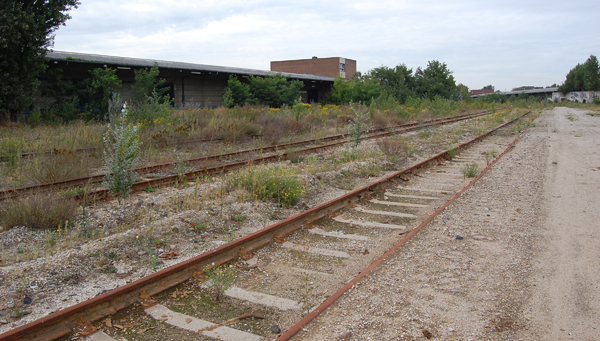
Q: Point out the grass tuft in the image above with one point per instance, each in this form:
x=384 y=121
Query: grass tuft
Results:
x=273 y=183
x=470 y=170
x=46 y=211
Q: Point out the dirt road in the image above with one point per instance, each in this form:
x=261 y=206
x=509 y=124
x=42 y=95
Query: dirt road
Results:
x=565 y=302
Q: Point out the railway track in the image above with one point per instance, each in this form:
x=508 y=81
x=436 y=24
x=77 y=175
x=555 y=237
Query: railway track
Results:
x=287 y=273
x=94 y=150
x=214 y=164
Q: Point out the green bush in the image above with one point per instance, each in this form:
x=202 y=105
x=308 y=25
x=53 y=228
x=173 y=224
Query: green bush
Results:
x=273 y=183
x=359 y=89
x=99 y=90
x=146 y=85
x=273 y=91
x=149 y=112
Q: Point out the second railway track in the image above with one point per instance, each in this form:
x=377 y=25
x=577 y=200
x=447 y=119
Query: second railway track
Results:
x=214 y=164
x=284 y=271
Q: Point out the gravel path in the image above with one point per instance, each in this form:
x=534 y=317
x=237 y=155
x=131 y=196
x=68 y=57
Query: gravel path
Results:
x=526 y=268
x=565 y=302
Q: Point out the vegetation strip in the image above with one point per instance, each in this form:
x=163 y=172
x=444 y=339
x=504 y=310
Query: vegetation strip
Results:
x=60 y=323
x=329 y=301
x=86 y=181
x=139 y=186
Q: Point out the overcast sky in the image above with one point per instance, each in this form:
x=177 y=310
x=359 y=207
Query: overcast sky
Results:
x=503 y=43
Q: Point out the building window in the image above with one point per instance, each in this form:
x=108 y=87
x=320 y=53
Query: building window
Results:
x=342 y=67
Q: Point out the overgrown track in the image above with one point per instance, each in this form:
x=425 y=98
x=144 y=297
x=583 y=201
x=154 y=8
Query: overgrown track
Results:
x=223 y=167
x=92 y=150
x=365 y=202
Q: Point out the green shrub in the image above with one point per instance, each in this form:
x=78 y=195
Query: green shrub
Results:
x=152 y=110
x=221 y=278
x=452 y=153
x=146 y=85
x=47 y=211
x=358 y=124
x=273 y=183
x=470 y=170
x=11 y=150
x=121 y=153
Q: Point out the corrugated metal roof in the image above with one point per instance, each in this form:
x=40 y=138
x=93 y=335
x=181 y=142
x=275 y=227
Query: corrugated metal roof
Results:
x=518 y=92
x=137 y=62
x=530 y=91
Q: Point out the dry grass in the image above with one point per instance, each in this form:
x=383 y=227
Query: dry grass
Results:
x=56 y=168
x=45 y=211
x=396 y=148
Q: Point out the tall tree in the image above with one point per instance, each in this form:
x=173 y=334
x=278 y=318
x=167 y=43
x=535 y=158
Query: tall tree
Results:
x=591 y=76
x=435 y=80
x=26 y=32
x=583 y=77
x=488 y=87
x=462 y=92
x=398 y=82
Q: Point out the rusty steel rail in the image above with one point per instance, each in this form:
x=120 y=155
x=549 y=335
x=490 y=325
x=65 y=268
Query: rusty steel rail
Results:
x=61 y=322
x=295 y=329
x=84 y=182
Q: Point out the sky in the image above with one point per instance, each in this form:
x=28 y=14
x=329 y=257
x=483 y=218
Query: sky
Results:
x=501 y=43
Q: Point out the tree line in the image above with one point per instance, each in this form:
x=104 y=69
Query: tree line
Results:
x=583 y=77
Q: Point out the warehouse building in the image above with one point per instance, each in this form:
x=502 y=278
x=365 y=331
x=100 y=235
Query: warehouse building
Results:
x=190 y=84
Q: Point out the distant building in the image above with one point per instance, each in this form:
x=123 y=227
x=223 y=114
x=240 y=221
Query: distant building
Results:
x=481 y=92
x=189 y=84
x=328 y=67
x=576 y=96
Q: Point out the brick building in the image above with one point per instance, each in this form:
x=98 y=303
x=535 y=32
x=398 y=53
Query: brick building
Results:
x=481 y=92
x=328 y=67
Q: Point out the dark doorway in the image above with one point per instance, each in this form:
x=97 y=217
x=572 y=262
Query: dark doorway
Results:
x=312 y=95
x=171 y=92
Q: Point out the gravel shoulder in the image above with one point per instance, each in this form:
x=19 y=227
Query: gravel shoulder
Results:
x=526 y=268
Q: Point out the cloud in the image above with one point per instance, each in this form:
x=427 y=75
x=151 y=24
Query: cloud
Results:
x=507 y=44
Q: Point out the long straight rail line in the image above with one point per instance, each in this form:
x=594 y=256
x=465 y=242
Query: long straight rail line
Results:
x=61 y=322
x=84 y=182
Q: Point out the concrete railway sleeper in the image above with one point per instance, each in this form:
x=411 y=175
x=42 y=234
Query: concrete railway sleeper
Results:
x=203 y=167
x=287 y=273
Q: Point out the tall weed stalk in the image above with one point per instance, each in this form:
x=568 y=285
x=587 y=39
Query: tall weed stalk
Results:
x=121 y=152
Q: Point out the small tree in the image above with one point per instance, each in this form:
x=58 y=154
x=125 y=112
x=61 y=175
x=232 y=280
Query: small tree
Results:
x=98 y=90
x=358 y=124
x=121 y=151
x=146 y=85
